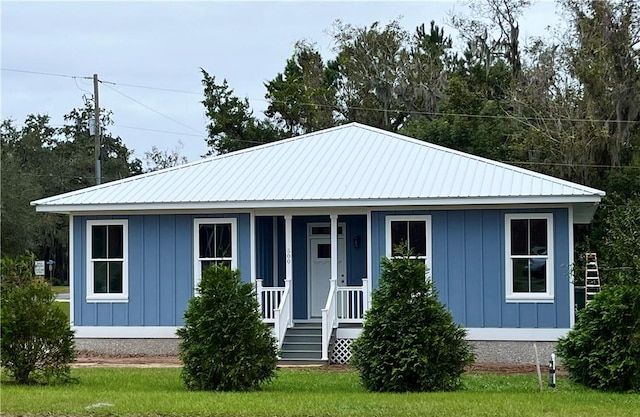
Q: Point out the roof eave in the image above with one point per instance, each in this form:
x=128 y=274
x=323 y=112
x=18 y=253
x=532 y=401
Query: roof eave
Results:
x=245 y=205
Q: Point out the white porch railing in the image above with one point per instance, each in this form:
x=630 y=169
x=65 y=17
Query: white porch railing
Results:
x=352 y=303
x=344 y=305
x=282 y=314
x=269 y=299
x=329 y=319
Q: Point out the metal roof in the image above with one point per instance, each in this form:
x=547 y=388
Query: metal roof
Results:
x=349 y=165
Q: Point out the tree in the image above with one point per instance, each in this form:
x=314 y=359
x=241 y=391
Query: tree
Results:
x=302 y=99
x=372 y=63
x=493 y=32
x=605 y=58
x=225 y=345
x=21 y=183
x=157 y=159
x=232 y=126
x=409 y=341
x=37 y=344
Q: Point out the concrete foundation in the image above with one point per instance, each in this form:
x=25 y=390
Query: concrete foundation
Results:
x=486 y=351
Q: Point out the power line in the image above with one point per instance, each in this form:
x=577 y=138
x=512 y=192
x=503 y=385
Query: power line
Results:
x=154 y=110
x=170 y=90
x=44 y=73
x=158 y=130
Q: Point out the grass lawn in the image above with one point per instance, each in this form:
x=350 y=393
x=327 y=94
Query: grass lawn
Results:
x=60 y=289
x=64 y=306
x=298 y=392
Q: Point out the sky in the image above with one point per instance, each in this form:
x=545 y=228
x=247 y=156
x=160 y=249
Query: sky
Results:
x=163 y=45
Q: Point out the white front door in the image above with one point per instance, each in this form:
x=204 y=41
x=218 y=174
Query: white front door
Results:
x=320 y=271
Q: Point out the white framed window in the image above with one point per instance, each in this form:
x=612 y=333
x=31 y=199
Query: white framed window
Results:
x=529 y=257
x=414 y=231
x=107 y=261
x=214 y=242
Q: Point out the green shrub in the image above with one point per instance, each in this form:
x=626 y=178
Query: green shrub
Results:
x=37 y=344
x=603 y=349
x=409 y=341
x=225 y=344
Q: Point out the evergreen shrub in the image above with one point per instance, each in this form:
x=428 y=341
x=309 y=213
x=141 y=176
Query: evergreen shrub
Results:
x=409 y=341
x=225 y=345
x=603 y=349
x=37 y=345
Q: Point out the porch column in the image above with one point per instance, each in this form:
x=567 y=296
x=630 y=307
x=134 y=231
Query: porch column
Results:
x=334 y=247
x=288 y=245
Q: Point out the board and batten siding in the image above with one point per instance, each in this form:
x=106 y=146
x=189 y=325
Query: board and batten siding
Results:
x=468 y=267
x=161 y=257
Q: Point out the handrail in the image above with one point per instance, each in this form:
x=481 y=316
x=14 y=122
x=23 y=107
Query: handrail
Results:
x=282 y=314
x=329 y=320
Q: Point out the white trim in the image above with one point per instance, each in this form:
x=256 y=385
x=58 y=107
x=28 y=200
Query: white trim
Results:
x=293 y=204
x=512 y=335
x=197 y=267
x=125 y=332
x=252 y=240
x=348 y=332
x=71 y=273
x=274 y=254
x=369 y=259
x=572 y=295
x=309 y=254
x=487 y=334
x=548 y=296
x=92 y=297
x=412 y=217
x=288 y=247
x=169 y=332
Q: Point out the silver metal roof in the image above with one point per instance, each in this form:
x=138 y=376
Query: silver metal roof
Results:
x=349 y=165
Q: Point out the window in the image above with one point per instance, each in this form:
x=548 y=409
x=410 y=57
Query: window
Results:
x=107 y=265
x=414 y=231
x=214 y=243
x=529 y=257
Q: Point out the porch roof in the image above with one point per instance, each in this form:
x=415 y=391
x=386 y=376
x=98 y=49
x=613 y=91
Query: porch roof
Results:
x=349 y=165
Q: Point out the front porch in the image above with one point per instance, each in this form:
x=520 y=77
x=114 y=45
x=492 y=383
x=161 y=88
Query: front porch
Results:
x=311 y=279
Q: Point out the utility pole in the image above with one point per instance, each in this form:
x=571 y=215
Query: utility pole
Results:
x=96 y=130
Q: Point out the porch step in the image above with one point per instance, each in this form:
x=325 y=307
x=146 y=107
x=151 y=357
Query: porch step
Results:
x=302 y=343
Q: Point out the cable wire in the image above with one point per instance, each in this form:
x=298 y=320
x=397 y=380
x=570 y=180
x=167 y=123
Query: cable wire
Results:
x=154 y=110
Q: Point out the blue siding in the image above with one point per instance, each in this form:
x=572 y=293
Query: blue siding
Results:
x=160 y=270
x=492 y=250
x=468 y=267
x=356 y=257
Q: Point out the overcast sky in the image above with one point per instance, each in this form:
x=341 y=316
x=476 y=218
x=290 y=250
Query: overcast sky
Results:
x=163 y=45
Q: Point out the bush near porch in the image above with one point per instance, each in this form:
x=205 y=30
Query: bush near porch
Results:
x=225 y=345
x=409 y=341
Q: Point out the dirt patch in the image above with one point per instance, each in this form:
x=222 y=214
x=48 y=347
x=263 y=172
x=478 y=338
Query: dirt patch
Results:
x=88 y=359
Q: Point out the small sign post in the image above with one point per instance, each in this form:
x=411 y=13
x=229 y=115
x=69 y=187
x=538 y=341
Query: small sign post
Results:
x=38 y=269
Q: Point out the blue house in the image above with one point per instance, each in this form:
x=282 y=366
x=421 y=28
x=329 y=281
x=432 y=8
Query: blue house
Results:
x=307 y=220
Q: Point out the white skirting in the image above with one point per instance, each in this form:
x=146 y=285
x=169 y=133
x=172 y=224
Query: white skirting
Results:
x=125 y=332
x=169 y=332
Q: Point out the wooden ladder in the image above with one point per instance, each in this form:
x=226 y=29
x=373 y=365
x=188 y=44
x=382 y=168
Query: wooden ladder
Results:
x=591 y=278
